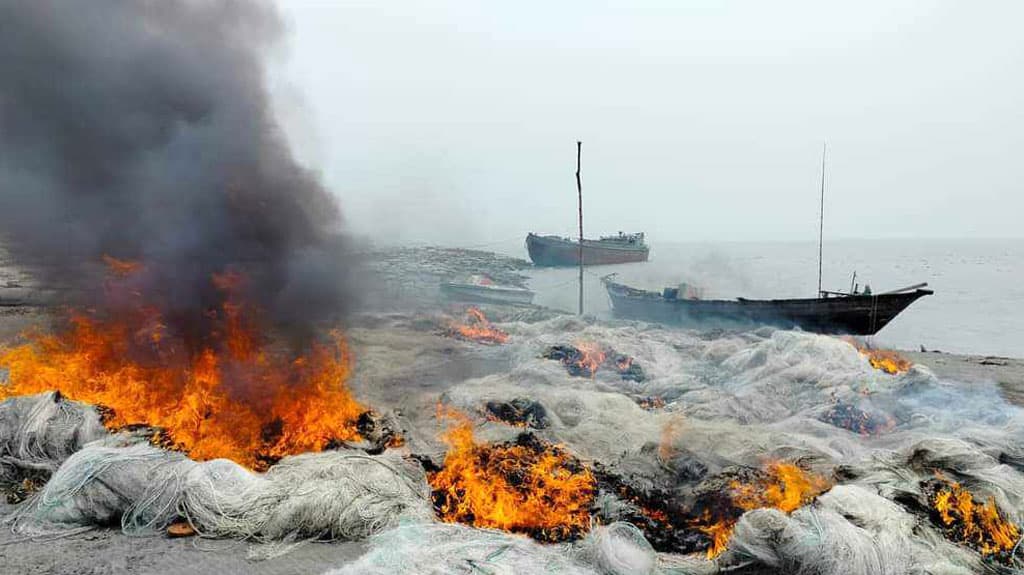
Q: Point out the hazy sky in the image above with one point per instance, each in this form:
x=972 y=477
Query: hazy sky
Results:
x=704 y=120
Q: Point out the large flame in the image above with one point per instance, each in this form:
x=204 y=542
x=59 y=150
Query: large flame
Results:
x=784 y=486
x=526 y=487
x=478 y=328
x=980 y=525
x=225 y=393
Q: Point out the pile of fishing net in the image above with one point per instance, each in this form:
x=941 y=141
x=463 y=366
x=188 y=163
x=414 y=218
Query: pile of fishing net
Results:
x=122 y=479
x=38 y=432
x=445 y=549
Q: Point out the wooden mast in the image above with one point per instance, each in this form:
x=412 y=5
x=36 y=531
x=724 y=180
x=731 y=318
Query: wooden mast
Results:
x=579 y=192
x=821 y=214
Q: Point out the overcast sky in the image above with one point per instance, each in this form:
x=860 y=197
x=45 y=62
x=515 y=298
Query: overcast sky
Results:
x=456 y=122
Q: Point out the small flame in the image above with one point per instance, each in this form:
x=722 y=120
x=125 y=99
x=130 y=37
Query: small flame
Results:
x=670 y=433
x=882 y=359
x=651 y=402
x=591 y=356
x=524 y=487
x=478 y=328
x=785 y=487
x=980 y=525
x=121 y=268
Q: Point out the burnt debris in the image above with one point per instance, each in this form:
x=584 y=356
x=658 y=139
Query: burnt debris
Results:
x=520 y=412
x=583 y=362
x=853 y=418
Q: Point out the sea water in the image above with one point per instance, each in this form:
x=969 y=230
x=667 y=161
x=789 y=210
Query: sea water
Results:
x=977 y=308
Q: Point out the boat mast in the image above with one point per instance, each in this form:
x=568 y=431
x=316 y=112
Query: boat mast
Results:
x=579 y=192
x=821 y=214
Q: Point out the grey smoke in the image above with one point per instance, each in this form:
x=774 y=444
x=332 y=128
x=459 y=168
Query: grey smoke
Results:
x=144 y=130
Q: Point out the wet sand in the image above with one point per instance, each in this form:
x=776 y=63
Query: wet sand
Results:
x=107 y=551
x=1007 y=372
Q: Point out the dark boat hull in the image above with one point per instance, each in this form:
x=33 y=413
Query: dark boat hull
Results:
x=554 y=251
x=856 y=315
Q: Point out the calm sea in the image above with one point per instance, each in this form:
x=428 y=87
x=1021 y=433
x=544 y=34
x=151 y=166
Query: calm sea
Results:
x=978 y=306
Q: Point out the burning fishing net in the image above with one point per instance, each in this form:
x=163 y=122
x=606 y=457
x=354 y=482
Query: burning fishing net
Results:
x=585 y=358
x=519 y=412
x=848 y=530
x=476 y=327
x=978 y=524
x=782 y=486
x=885 y=360
x=527 y=486
x=224 y=391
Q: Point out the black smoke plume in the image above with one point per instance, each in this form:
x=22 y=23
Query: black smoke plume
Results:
x=143 y=130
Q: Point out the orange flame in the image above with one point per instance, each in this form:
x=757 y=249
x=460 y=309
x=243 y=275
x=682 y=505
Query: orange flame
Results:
x=785 y=487
x=532 y=488
x=477 y=328
x=670 y=433
x=229 y=395
x=591 y=357
x=651 y=402
x=121 y=268
x=882 y=359
x=980 y=525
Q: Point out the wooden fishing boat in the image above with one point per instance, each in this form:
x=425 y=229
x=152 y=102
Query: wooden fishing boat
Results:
x=833 y=313
x=556 y=251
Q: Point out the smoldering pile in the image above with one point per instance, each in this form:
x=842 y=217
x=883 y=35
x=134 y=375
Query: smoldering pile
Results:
x=585 y=358
x=775 y=452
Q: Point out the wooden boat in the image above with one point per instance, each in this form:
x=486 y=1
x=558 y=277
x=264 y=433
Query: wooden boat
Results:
x=833 y=313
x=556 y=251
x=483 y=289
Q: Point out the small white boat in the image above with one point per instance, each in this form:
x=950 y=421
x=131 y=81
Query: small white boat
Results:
x=482 y=288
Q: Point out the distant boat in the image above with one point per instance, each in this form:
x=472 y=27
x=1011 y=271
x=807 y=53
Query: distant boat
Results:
x=556 y=251
x=855 y=314
x=481 y=288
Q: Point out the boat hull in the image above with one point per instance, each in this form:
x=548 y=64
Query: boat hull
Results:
x=469 y=292
x=856 y=315
x=551 y=251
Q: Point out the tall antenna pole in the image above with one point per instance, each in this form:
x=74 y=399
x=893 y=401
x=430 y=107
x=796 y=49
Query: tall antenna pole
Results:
x=821 y=214
x=579 y=192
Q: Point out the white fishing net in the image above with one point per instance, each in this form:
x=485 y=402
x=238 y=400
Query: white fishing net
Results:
x=38 y=432
x=135 y=486
x=443 y=549
x=617 y=549
x=324 y=496
x=321 y=496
